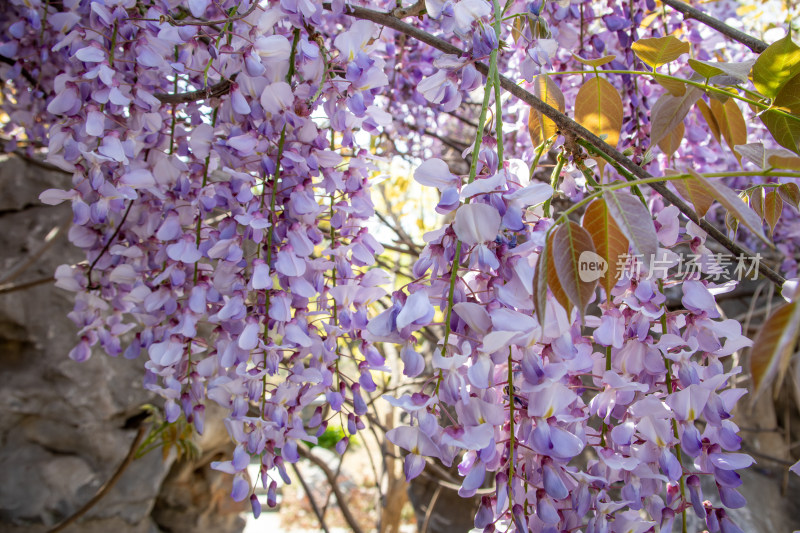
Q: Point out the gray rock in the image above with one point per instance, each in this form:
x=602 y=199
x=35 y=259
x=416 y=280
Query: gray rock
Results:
x=62 y=423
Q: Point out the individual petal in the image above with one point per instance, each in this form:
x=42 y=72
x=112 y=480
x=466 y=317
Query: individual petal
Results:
x=241 y=488
x=476 y=223
x=532 y=194
x=413 y=363
x=417 y=309
x=475 y=315
x=698 y=299
x=413 y=465
x=435 y=173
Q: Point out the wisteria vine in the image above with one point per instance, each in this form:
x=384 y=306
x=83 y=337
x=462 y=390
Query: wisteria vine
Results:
x=221 y=171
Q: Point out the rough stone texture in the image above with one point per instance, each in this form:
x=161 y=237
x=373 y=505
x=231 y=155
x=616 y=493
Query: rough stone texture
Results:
x=62 y=423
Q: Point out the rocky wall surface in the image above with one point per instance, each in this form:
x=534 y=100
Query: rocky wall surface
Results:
x=66 y=426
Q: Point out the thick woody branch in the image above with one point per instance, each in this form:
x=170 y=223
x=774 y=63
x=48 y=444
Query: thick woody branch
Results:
x=566 y=126
x=688 y=11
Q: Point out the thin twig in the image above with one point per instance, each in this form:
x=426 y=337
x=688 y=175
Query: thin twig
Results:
x=429 y=510
x=108 y=485
x=314 y=506
x=688 y=11
x=5 y=289
x=107 y=245
x=340 y=498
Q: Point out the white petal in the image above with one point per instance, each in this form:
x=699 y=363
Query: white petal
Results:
x=476 y=223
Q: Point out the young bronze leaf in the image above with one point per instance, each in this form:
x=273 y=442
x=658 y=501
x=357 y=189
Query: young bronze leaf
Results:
x=544 y=277
x=669 y=111
x=672 y=141
x=756 y=199
x=790 y=192
x=695 y=193
x=660 y=50
x=553 y=282
x=518 y=28
x=674 y=87
x=731 y=123
x=785 y=129
x=774 y=346
x=773 y=207
x=599 y=62
x=609 y=241
x=755 y=153
x=710 y=120
x=540 y=286
x=598 y=107
x=635 y=222
x=573 y=249
x=775 y=66
x=733 y=203
x=540 y=127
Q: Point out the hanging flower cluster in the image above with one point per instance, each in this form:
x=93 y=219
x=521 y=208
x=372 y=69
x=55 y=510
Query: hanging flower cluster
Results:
x=221 y=168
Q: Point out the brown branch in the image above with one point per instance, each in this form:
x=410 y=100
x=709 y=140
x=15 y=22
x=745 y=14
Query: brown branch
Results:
x=688 y=11
x=102 y=491
x=565 y=125
x=410 y=11
x=340 y=498
x=5 y=289
x=314 y=506
x=429 y=511
x=216 y=90
x=200 y=22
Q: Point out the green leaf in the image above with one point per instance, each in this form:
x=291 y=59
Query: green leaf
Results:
x=540 y=127
x=773 y=347
x=660 y=50
x=635 y=222
x=599 y=62
x=704 y=68
x=609 y=241
x=785 y=129
x=776 y=65
x=733 y=203
x=710 y=69
x=669 y=111
x=572 y=248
